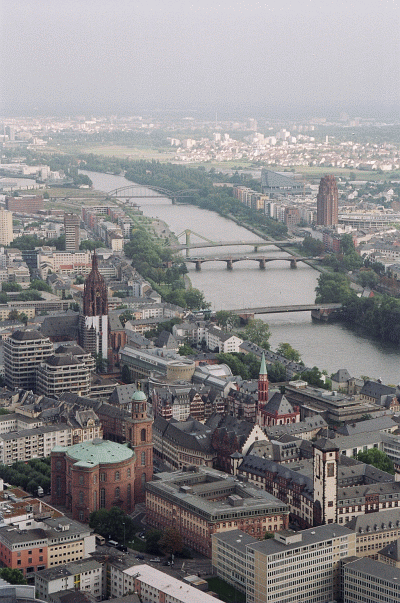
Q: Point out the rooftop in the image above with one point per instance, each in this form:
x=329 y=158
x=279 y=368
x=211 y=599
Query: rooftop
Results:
x=96 y=452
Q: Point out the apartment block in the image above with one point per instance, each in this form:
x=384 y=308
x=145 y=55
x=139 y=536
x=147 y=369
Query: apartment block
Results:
x=366 y=580
x=33 y=443
x=85 y=576
x=153 y=586
x=62 y=373
x=6 y=227
x=23 y=352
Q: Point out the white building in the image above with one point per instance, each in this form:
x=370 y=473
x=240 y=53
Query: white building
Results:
x=6 y=227
x=85 y=576
x=153 y=586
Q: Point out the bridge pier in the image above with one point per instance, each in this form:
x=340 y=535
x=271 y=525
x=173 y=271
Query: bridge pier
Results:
x=198 y=266
x=229 y=264
x=293 y=263
x=261 y=263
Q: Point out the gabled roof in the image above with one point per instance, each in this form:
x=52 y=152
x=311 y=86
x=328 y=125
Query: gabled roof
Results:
x=279 y=404
x=374 y=389
x=341 y=376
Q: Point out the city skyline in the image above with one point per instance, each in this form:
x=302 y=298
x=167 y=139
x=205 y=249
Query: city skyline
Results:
x=261 y=59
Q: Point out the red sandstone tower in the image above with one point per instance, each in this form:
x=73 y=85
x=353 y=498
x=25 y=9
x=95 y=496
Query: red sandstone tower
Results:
x=140 y=436
x=263 y=383
x=327 y=202
x=94 y=320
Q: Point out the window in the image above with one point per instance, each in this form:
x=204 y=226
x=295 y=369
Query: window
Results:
x=143 y=458
x=80 y=515
x=80 y=479
x=117 y=476
x=143 y=480
x=128 y=472
x=80 y=497
x=331 y=469
x=58 y=465
x=102 y=498
x=143 y=435
x=103 y=477
x=117 y=493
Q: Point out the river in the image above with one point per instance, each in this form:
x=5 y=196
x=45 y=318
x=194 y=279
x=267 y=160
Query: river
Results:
x=329 y=346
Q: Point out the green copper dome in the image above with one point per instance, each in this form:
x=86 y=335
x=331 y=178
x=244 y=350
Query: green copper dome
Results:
x=139 y=396
x=98 y=452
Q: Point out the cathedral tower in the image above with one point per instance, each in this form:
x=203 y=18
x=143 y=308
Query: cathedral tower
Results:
x=325 y=463
x=263 y=383
x=94 y=322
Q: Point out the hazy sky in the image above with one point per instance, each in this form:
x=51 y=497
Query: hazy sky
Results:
x=125 y=56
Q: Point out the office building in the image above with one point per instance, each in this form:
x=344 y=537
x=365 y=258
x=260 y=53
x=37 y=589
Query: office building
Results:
x=24 y=351
x=205 y=501
x=292 y=567
x=71 y=227
x=367 y=581
x=25 y=204
x=327 y=202
x=6 y=227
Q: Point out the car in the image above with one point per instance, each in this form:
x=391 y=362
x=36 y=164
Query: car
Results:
x=140 y=557
x=123 y=548
x=167 y=563
x=156 y=560
x=142 y=535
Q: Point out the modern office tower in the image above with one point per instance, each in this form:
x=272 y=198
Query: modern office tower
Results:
x=71 y=226
x=94 y=320
x=327 y=202
x=6 y=227
x=24 y=351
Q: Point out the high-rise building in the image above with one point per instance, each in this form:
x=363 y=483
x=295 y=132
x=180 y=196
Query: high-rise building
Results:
x=62 y=373
x=6 y=227
x=24 y=351
x=94 y=320
x=71 y=227
x=327 y=202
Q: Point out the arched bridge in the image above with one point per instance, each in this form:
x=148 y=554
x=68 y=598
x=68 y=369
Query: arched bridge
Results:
x=140 y=191
x=262 y=260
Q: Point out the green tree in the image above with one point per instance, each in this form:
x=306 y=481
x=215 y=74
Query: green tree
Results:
x=257 y=331
x=125 y=317
x=171 y=541
x=378 y=459
x=186 y=350
x=314 y=377
x=40 y=285
x=333 y=288
x=227 y=320
x=276 y=372
x=89 y=245
x=13 y=576
x=153 y=537
x=312 y=246
x=368 y=278
x=125 y=374
x=13 y=287
x=286 y=350
x=112 y=523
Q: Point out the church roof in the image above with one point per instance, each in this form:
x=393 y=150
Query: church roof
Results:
x=279 y=404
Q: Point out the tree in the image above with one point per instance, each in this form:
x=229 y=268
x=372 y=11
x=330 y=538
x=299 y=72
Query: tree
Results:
x=90 y=245
x=101 y=363
x=112 y=523
x=276 y=372
x=126 y=375
x=257 y=331
x=14 y=287
x=13 y=576
x=152 y=539
x=171 y=541
x=377 y=458
x=286 y=350
x=40 y=285
x=186 y=350
x=226 y=319
x=125 y=317
x=314 y=377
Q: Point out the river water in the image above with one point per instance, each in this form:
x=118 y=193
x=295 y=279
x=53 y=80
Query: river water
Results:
x=329 y=346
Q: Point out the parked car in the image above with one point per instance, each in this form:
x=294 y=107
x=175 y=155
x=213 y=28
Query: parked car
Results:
x=156 y=560
x=123 y=548
x=140 y=557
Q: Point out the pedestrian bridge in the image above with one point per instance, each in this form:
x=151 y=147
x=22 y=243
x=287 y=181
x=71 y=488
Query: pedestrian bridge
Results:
x=262 y=260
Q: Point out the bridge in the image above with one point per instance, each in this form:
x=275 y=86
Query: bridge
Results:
x=262 y=260
x=255 y=244
x=320 y=311
x=140 y=191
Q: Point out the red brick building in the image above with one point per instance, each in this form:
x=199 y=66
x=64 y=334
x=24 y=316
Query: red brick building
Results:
x=140 y=436
x=93 y=475
x=25 y=204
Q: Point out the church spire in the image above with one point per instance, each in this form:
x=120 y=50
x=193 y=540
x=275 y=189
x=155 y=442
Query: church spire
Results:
x=263 y=367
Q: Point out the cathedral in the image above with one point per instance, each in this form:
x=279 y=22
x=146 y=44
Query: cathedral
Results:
x=93 y=326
